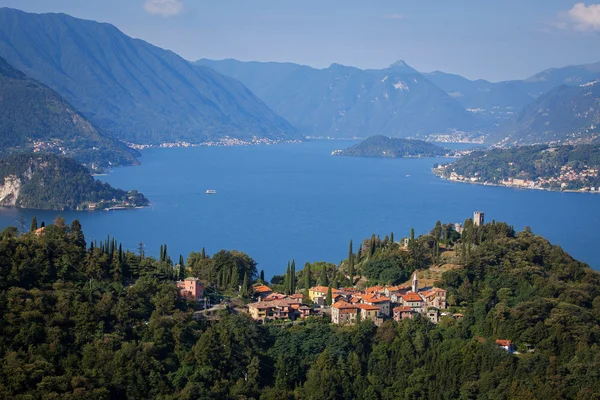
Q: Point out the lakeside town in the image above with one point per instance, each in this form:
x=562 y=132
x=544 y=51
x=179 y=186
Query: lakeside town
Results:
x=567 y=176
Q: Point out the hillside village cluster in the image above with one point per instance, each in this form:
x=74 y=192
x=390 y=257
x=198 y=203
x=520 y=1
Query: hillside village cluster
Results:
x=349 y=306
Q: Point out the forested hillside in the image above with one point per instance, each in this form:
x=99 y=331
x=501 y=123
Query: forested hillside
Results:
x=49 y=182
x=383 y=146
x=34 y=117
x=97 y=322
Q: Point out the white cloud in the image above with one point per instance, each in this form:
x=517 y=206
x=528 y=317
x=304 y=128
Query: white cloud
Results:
x=164 y=8
x=585 y=18
x=395 y=16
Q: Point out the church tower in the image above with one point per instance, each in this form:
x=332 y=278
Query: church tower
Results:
x=415 y=283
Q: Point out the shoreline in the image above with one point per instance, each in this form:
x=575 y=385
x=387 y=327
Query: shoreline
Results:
x=513 y=186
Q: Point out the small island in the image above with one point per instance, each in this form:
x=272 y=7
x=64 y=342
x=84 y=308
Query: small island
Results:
x=383 y=146
x=561 y=168
x=50 y=182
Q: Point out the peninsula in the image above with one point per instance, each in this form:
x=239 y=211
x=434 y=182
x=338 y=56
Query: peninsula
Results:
x=50 y=182
x=563 y=168
x=383 y=146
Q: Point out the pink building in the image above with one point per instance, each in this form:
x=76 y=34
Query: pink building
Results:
x=191 y=288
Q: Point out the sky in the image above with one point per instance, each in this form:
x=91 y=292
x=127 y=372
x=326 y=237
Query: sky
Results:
x=493 y=40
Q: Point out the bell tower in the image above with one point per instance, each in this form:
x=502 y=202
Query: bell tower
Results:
x=415 y=283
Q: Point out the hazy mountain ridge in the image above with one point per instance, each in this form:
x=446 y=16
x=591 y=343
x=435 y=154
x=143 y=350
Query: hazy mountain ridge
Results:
x=341 y=101
x=566 y=114
x=33 y=116
x=129 y=88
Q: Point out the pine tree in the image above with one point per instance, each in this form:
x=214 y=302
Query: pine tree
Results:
x=329 y=298
x=34 y=226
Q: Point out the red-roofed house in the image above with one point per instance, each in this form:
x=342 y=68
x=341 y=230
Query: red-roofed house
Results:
x=402 y=312
x=378 y=300
x=191 y=288
x=412 y=300
x=370 y=312
x=505 y=344
x=343 y=313
x=262 y=291
x=436 y=297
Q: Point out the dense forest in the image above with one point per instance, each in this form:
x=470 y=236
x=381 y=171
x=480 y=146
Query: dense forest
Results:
x=95 y=321
x=537 y=163
x=52 y=182
x=383 y=146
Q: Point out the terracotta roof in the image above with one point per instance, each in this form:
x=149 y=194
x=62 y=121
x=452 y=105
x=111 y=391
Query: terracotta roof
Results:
x=274 y=296
x=375 y=298
x=261 y=289
x=374 y=289
x=261 y=305
x=342 y=305
x=503 y=342
x=367 y=307
x=402 y=308
x=411 y=296
x=297 y=296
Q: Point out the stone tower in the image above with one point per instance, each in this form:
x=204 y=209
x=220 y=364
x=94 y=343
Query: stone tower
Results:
x=415 y=283
x=478 y=218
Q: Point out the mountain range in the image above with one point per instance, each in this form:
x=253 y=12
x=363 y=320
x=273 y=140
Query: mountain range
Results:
x=341 y=101
x=34 y=117
x=130 y=89
x=335 y=101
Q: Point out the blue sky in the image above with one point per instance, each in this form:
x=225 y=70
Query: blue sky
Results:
x=494 y=40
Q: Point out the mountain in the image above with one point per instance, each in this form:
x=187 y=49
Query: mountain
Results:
x=341 y=101
x=130 y=89
x=498 y=100
x=33 y=117
x=52 y=182
x=573 y=75
x=566 y=114
x=383 y=146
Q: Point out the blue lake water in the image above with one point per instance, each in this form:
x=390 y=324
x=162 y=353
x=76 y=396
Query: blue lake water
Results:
x=297 y=201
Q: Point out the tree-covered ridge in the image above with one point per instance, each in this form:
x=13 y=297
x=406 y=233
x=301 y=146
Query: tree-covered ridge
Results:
x=383 y=146
x=562 y=167
x=100 y=322
x=50 y=182
x=34 y=117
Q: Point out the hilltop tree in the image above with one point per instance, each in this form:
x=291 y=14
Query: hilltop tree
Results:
x=351 y=263
x=34 y=225
x=306 y=274
x=329 y=298
x=262 y=275
x=412 y=234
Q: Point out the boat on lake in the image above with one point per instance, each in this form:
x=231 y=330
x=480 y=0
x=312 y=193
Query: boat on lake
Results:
x=210 y=191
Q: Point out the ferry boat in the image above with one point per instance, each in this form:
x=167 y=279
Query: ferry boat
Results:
x=211 y=191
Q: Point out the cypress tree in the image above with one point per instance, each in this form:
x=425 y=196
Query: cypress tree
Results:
x=203 y=253
x=293 y=278
x=43 y=225
x=329 y=298
x=262 y=275
x=392 y=237
x=244 y=291
x=412 y=234
x=34 y=226
x=286 y=280
x=160 y=257
x=165 y=256
x=306 y=276
x=235 y=277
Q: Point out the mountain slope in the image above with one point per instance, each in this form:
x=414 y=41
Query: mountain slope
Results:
x=564 y=115
x=33 y=116
x=130 y=89
x=342 y=101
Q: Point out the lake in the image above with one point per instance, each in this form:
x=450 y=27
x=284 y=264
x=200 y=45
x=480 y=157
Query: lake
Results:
x=296 y=201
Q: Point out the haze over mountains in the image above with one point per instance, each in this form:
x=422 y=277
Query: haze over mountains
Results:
x=428 y=103
x=132 y=91
x=129 y=88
